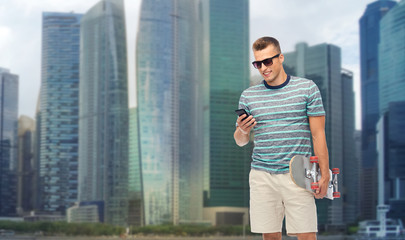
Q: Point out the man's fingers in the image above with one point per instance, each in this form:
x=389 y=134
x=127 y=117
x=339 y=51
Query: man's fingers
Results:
x=249 y=125
x=239 y=121
x=252 y=124
x=246 y=127
x=251 y=121
x=247 y=119
x=247 y=122
x=320 y=192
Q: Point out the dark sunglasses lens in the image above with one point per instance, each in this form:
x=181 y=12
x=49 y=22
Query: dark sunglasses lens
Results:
x=268 y=62
x=257 y=64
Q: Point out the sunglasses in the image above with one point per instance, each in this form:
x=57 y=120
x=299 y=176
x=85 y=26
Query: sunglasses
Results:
x=267 y=62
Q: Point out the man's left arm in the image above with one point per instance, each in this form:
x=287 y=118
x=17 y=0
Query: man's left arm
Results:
x=317 y=126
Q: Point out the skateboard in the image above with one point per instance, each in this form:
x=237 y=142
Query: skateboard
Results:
x=305 y=173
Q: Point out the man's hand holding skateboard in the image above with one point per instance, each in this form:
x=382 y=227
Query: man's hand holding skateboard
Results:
x=306 y=173
x=320 y=193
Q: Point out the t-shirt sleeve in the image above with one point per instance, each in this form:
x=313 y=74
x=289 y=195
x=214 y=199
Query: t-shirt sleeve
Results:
x=243 y=104
x=314 y=101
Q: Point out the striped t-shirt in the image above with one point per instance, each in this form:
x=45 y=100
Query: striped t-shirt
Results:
x=281 y=112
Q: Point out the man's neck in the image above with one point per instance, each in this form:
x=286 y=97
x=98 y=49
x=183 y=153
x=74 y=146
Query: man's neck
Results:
x=281 y=78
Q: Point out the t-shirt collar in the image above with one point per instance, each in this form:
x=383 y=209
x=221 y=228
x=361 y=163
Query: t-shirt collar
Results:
x=279 y=86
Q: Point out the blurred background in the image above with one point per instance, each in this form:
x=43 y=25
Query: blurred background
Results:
x=122 y=112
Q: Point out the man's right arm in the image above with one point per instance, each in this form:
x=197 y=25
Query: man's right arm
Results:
x=242 y=132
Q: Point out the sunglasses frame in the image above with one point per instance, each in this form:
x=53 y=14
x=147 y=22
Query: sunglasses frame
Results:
x=258 y=64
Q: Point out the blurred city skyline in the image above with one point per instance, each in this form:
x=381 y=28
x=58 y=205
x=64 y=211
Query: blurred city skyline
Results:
x=334 y=22
x=110 y=144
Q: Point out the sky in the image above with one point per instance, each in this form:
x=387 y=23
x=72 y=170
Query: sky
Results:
x=290 y=21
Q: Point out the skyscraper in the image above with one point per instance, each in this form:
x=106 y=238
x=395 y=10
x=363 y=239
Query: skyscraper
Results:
x=369 y=54
x=227 y=166
x=391 y=60
x=8 y=141
x=322 y=64
x=37 y=159
x=103 y=115
x=391 y=63
x=391 y=149
x=351 y=161
x=169 y=133
x=135 y=187
x=59 y=110
x=26 y=168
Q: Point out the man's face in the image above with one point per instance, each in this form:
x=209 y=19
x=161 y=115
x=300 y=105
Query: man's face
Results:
x=271 y=71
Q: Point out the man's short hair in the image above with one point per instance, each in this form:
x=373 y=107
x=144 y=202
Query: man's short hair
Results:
x=264 y=42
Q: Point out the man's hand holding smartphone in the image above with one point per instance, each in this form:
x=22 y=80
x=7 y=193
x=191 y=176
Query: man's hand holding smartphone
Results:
x=245 y=121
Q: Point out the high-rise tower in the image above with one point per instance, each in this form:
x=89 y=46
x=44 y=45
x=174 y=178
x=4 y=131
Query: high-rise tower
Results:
x=103 y=115
x=135 y=187
x=322 y=64
x=391 y=80
x=8 y=141
x=391 y=60
x=369 y=54
x=227 y=166
x=351 y=162
x=26 y=188
x=167 y=81
x=59 y=109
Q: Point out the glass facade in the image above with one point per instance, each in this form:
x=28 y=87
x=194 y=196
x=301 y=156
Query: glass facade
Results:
x=37 y=150
x=392 y=105
x=227 y=169
x=322 y=64
x=369 y=60
x=59 y=110
x=392 y=57
x=37 y=158
x=167 y=98
x=351 y=162
x=369 y=40
x=103 y=116
x=135 y=189
x=394 y=164
x=26 y=167
x=8 y=141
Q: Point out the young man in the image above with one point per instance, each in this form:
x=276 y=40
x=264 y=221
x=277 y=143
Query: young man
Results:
x=285 y=111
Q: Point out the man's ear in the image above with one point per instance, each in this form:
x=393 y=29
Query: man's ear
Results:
x=281 y=57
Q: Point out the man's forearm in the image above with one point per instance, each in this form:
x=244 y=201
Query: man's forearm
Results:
x=321 y=150
x=317 y=125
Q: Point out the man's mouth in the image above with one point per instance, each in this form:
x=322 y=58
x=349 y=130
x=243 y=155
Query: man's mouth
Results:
x=266 y=73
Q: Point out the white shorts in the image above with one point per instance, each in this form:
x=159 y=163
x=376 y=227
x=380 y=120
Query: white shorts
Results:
x=273 y=196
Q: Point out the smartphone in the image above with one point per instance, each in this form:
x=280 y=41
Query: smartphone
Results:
x=240 y=112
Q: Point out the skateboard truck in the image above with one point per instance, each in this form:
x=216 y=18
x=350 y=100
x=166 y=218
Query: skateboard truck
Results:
x=305 y=173
x=335 y=172
x=314 y=175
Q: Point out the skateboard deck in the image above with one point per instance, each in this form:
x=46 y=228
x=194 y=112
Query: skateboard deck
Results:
x=305 y=173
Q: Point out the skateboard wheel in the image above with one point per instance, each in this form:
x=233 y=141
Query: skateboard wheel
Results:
x=313 y=159
x=335 y=171
x=314 y=185
x=336 y=194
